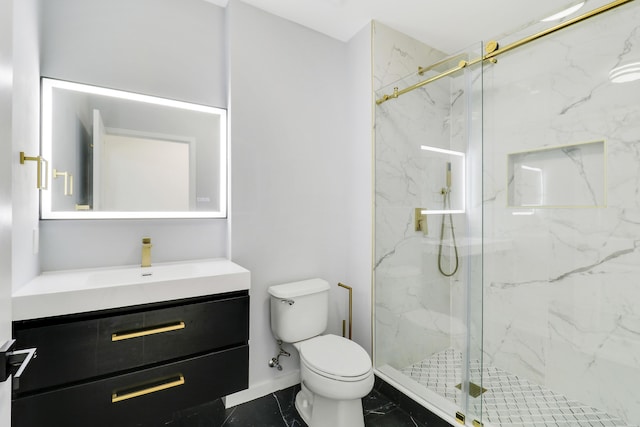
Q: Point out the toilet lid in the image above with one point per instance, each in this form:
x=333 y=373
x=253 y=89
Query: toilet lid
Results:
x=335 y=355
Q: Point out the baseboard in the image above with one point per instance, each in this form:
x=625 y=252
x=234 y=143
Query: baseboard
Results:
x=256 y=391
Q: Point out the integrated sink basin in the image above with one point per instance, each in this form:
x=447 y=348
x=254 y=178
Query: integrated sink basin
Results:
x=75 y=291
x=157 y=273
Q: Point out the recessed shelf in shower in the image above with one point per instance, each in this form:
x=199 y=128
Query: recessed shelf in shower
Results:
x=567 y=176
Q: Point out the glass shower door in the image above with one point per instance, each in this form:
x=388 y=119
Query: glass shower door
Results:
x=428 y=245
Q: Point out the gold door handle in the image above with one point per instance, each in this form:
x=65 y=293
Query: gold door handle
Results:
x=119 y=336
x=178 y=380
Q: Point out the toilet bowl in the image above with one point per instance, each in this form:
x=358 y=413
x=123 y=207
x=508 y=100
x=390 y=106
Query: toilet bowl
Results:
x=335 y=373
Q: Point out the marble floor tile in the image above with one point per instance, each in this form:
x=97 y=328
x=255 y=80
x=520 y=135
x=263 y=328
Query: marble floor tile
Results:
x=508 y=400
x=278 y=410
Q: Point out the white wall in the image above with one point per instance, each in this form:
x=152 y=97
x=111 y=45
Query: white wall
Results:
x=26 y=137
x=6 y=163
x=293 y=169
x=19 y=106
x=360 y=210
x=167 y=48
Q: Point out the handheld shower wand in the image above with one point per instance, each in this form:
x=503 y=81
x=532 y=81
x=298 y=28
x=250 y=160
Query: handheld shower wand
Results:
x=446 y=202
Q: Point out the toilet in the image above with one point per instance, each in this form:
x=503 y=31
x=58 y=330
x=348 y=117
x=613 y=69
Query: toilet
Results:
x=335 y=373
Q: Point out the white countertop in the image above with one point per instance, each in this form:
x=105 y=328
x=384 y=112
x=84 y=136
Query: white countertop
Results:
x=77 y=291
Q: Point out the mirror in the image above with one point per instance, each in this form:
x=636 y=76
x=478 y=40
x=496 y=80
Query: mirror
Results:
x=115 y=154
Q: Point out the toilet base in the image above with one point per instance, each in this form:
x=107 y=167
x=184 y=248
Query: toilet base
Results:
x=319 y=411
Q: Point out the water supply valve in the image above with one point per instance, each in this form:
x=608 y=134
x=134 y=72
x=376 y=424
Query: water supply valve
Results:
x=275 y=361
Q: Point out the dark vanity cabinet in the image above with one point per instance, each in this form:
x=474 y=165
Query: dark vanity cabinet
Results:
x=134 y=366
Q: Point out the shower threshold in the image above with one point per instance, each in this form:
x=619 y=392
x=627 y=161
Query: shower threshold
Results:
x=508 y=400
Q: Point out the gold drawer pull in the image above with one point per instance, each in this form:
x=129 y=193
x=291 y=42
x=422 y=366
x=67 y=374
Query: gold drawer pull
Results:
x=177 y=381
x=119 y=336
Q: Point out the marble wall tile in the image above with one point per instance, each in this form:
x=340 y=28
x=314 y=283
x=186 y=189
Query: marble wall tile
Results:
x=408 y=287
x=557 y=287
x=561 y=307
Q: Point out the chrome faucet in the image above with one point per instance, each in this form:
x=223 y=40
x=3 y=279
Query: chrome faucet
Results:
x=146 y=252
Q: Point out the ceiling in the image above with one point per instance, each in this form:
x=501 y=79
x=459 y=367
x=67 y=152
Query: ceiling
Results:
x=447 y=25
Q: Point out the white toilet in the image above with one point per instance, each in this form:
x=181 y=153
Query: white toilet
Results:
x=335 y=372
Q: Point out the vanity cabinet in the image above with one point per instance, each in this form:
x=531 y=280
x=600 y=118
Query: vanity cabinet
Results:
x=134 y=366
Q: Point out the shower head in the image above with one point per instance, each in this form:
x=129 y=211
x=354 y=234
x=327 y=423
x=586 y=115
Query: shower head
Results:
x=448 y=174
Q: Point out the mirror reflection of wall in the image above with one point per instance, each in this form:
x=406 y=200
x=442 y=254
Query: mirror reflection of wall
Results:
x=132 y=158
x=143 y=173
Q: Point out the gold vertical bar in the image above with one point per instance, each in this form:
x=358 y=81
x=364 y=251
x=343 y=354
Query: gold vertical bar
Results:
x=350 y=289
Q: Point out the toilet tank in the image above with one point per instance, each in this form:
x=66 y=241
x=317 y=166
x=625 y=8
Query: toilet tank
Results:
x=299 y=310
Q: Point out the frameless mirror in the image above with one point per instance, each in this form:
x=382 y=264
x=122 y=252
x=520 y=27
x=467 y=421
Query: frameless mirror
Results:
x=115 y=154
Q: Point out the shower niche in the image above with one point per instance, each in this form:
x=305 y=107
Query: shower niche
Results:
x=567 y=176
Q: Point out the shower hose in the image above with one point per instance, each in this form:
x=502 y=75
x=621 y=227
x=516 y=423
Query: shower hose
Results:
x=446 y=202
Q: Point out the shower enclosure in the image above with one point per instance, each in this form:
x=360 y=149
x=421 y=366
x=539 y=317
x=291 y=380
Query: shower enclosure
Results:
x=507 y=226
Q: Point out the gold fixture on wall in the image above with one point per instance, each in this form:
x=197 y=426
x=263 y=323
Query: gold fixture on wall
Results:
x=493 y=49
x=68 y=181
x=420 y=221
x=350 y=289
x=40 y=160
x=146 y=252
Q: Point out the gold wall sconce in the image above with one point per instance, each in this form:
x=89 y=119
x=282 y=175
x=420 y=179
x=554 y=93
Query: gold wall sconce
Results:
x=39 y=160
x=68 y=181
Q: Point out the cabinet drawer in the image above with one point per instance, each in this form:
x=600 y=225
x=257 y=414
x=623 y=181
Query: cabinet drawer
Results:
x=148 y=397
x=77 y=350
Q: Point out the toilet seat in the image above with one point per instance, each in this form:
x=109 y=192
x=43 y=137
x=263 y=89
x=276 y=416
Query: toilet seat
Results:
x=335 y=357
